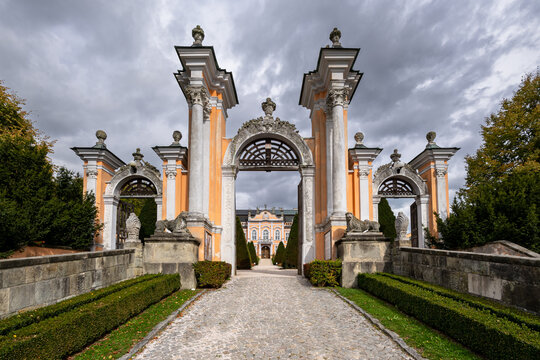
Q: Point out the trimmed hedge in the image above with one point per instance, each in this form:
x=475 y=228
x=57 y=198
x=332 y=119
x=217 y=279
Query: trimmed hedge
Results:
x=515 y=315
x=325 y=272
x=480 y=330
x=70 y=332
x=211 y=274
x=27 y=318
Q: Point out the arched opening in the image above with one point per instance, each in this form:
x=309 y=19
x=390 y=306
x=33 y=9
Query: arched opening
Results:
x=265 y=252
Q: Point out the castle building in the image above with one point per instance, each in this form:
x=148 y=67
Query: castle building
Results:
x=266 y=228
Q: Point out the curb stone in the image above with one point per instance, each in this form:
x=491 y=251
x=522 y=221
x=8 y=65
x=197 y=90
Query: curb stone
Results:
x=159 y=327
x=395 y=337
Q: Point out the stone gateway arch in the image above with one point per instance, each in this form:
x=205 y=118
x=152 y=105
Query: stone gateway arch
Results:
x=199 y=176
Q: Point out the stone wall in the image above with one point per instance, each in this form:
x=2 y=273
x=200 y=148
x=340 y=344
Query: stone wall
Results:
x=511 y=279
x=37 y=281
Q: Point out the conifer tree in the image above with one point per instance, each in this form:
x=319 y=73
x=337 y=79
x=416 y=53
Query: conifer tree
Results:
x=253 y=253
x=148 y=218
x=290 y=259
x=243 y=260
x=387 y=220
x=280 y=253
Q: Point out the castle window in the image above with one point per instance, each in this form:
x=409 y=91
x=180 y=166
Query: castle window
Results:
x=266 y=235
x=254 y=235
x=278 y=235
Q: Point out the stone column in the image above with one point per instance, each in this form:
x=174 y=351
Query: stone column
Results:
x=423 y=220
x=171 y=192
x=308 y=212
x=109 y=227
x=363 y=184
x=197 y=97
x=329 y=171
x=159 y=208
x=206 y=157
x=376 y=201
x=228 y=198
x=335 y=104
x=441 y=192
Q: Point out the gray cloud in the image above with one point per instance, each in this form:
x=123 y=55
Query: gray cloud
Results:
x=428 y=65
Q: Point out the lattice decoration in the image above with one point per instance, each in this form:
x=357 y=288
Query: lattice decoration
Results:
x=395 y=186
x=138 y=187
x=267 y=154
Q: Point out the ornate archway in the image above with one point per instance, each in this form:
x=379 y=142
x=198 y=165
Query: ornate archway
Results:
x=136 y=179
x=268 y=144
x=399 y=180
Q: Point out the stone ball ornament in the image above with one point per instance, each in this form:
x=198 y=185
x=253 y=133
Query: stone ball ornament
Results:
x=359 y=138
x=430 y=136
x=177 y=136
x=335 y=36
x=198 y=35
x=101 y=135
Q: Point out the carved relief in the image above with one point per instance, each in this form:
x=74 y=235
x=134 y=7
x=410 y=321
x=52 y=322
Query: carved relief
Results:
x=133 y=226
x=440 y=172
x=402 y=225
x=92 y=174
x=197 y=95
x=171 y=174
x=336 y=97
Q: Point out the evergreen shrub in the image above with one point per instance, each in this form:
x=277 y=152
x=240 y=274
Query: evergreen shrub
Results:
x=387 y=220
x=290 y=260
x=72 y=331
x=280 y=254
x=253 y=253
x=243 y=260
x=512 y=314
x=481 y=330
x=29 y=317
x=325 y=272
x=211 y=274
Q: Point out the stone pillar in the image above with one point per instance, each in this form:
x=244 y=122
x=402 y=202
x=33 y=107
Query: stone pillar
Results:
x=133 y=226
x=335 y=103
x=422 y=204
x=206 y=159
x=402 y=225
x=376 y=201
x=197 y=96
x=308 y=212
x=363 y=184
x=109 y=227
x=91 y=179
x=171 y=192
x=441 y=192
x=159 y=208
x=329 y=158
x=228 y=198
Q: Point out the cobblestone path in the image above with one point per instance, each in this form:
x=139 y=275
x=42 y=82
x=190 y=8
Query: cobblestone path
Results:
x=267 y=313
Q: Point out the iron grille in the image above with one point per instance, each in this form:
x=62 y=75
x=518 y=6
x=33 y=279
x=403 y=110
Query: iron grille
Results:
x=395 y=186
x=268 y=154
x=138 y=187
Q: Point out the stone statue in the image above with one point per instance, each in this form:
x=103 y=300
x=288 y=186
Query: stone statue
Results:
x=176 y=226
x=268 y=107
x=133 y=226
x=359 y=138
x=335 y=35
x=397 y=164
x=198 y=35
x=356 y=225
x=402 y=225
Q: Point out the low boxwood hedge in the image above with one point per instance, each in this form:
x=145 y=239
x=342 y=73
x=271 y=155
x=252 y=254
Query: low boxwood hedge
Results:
x=27 y=318
x=211 y=274
x=480 y=330
x=515 y=315
x=58 y=337
x=325 y=272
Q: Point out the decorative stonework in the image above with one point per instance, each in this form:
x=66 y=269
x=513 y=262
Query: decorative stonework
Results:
x=440 y=173
x=177 y=136
x=335 y=36
x=356 y=225
x=268 y=107
x=402 y=225
x=198 y=35
x=336 y=97
x=363 y=172
x=197 y=95
x=91 y=174
x=101 y=136
x=359 y=138
x=171 y=174
x=176 y=226
x=406 y=172
x=133 y=226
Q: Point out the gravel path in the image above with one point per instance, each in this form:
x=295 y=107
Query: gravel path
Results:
x=267 y=313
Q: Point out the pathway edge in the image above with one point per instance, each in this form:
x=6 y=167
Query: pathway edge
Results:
x=160 y=327
x=395 y=337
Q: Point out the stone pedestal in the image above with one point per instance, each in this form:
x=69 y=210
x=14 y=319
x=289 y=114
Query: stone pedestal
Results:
x=136 y=268
x=170 y=253
x=366 y=252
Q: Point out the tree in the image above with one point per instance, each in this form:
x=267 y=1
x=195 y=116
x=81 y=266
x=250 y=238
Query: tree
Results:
x=387 y=220
x=243 y=260
x=253 y=253
x=280 y=254
x=511 y=138
x=502 y=194
x=290 y=260
x=35 y=206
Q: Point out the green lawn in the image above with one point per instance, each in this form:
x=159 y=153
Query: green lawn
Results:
x=429 y=343
x=119 y=341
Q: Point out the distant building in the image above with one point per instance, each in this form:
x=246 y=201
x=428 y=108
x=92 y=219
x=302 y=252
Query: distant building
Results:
x=266 y=228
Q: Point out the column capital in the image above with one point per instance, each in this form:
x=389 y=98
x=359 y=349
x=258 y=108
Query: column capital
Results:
x=92 y=173
x=308 y=171
x=336 y=97
x=171 y=173
x=197 y=95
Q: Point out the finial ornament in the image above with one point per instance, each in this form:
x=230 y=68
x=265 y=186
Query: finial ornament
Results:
x=177 y=136
x=359 y=138
x=198 y=35
x=395 y=156
x=430 y=136
x=137 y=156
x=335 y=36
x=101 y=136
x=268 y=107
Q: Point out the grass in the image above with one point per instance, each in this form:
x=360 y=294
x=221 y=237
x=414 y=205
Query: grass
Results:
x=119 y=341
x=429 y=343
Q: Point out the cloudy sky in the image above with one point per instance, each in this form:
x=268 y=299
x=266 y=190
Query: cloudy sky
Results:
x=428 y=65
